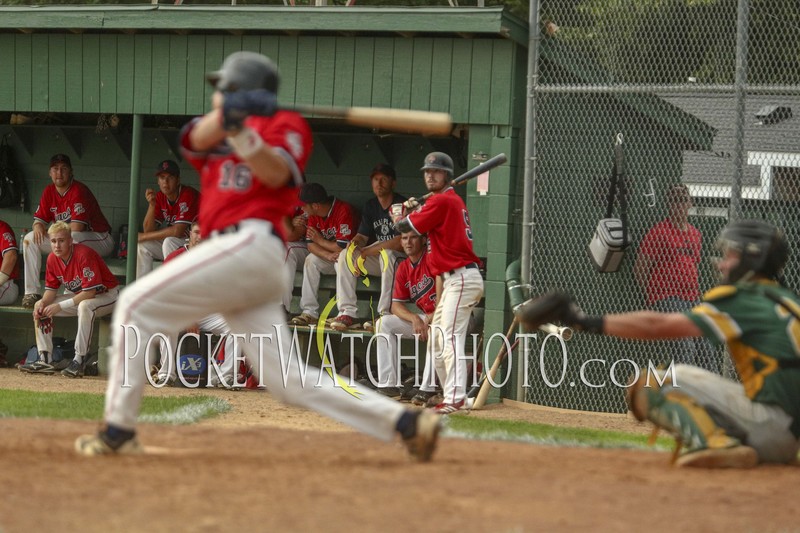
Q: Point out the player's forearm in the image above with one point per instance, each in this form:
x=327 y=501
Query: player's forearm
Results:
x=650 y=325
x=360 y=240
x=207 y=132
x=9 y=262
x=328 y=246
x=376 y=247
x=401 y=311
x=48 y=298
x=267 y=166
x=69 y=303
x=149 y=223
x=176 y=230
x=295 y=233
x=324 y=249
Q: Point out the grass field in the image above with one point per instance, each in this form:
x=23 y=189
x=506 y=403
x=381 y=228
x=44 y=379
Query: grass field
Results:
x=190 y=409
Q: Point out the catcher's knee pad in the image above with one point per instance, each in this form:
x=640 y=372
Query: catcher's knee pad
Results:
x=686 y=420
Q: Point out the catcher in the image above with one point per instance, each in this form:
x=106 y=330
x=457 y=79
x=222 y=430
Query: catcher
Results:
x=720 y=422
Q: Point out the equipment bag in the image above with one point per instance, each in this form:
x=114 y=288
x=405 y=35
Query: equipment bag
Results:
x=63 y=350
x=607 y=247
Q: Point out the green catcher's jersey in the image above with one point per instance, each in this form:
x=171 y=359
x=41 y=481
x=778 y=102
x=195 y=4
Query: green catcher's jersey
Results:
x=760 y=333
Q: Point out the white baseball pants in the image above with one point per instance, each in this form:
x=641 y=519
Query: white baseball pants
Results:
x=242 y=276
x=461 y=292
x=148 y=251
x=9 y=292
x=767 y=426
x=102 y=243
x=212 y=324
x=388 y=327
x=377 y=268
x=313 y=268
x=86 y=311
x=296 y=253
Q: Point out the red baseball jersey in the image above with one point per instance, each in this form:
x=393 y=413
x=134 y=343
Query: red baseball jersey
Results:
x=231 y=193
x=445 y=219
x=77 y=204
x=83 y=271
x=183 y=249
x=183 y=210
x=414 y=282
x=7 y=243
x=674 y=254
x=340 y=225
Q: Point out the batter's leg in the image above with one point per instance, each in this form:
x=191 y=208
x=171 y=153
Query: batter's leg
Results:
x=366 y=410
x=460 y=294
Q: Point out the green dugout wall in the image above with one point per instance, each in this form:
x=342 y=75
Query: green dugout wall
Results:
x=66 y=69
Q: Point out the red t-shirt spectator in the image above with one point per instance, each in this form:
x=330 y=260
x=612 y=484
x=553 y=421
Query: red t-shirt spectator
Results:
x=674 y=255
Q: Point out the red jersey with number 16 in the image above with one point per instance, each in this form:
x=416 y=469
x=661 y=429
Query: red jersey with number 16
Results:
x=445 y=219
x=84 y=270
x=231 y=193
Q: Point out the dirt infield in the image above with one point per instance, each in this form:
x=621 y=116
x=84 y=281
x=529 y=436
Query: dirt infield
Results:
x=267 y=467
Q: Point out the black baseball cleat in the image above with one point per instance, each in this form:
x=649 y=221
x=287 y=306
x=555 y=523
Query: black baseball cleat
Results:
x=74 y=370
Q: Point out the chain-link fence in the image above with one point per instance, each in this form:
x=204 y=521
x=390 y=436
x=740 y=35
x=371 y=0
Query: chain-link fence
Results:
x=706 y=95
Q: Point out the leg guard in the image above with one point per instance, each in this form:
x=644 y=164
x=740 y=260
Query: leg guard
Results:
x=707 y=444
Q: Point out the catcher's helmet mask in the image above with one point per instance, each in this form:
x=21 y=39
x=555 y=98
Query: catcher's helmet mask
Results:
x=245 y=71
x=762 y=249
x=439 y=161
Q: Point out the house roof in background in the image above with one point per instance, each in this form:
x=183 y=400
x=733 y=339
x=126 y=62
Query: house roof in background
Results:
x=719 y=111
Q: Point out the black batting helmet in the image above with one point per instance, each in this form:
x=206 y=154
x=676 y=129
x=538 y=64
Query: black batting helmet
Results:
x=440 y=161
x=245 y=71
x=762 y=247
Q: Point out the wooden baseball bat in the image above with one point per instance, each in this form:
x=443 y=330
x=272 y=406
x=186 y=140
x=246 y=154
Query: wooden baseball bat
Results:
x=485 y=385
x=403 y=120
x=486 y=166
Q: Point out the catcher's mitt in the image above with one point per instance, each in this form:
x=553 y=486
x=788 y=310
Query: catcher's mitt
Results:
x=557 y=306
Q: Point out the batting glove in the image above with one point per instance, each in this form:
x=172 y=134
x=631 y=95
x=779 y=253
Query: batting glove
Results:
x=46 y=325
x=238 y=105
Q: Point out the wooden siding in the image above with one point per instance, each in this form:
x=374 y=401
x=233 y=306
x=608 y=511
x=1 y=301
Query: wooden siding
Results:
x=164 y=74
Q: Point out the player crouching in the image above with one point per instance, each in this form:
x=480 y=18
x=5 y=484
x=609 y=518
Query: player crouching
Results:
x=721 y=423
